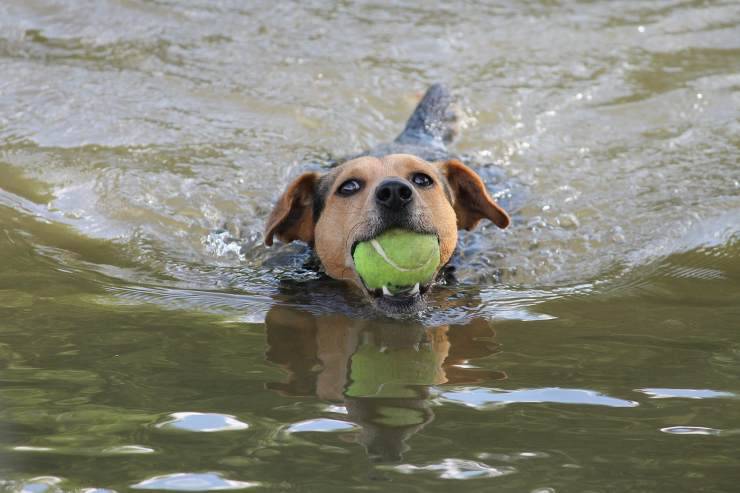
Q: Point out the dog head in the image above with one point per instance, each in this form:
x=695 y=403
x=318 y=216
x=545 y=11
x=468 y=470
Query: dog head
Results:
x=364 y=197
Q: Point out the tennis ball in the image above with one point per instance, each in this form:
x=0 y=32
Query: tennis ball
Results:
x=397 y=259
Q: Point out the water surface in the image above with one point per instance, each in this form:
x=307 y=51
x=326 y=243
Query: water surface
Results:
x=148 y=340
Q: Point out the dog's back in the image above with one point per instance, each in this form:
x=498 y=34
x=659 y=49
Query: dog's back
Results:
x=432 y=125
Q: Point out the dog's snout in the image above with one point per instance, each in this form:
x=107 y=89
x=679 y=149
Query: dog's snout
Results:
x=393 y=194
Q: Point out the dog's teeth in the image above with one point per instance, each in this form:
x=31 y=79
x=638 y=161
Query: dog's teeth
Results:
x=414 y=290
x=386 y=291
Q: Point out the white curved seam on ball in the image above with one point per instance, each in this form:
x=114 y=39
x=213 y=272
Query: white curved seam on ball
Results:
x=379 y=250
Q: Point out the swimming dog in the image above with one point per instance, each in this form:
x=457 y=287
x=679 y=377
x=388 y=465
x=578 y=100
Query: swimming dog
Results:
x=411 y=183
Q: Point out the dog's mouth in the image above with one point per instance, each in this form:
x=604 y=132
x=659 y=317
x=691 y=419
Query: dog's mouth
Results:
x=395 y=299
x=401 y=301
x=402 y=294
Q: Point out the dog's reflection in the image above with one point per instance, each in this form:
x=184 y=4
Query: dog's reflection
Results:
x=381 y=371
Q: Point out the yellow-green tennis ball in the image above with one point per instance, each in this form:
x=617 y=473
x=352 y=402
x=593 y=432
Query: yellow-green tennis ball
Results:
x=397 y=259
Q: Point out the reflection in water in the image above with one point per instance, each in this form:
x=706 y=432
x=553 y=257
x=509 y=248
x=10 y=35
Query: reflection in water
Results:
x=202 y=422
x=381 y=370
x=192 y=482
x=484 y=398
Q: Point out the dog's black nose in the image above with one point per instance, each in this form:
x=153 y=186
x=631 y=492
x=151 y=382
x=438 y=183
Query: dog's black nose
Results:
x=393 y=194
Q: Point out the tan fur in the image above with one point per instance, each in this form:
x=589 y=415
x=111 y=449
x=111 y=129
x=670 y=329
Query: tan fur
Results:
x=472 y=202
x=343 y=218
x=292 y=217
x=344 y=214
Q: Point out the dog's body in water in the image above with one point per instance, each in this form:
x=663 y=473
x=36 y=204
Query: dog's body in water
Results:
x=411 y=183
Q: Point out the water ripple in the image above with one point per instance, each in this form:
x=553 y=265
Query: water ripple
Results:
x=457 y=469
x=320 y=425
x=658 y=393
x=39 y=484
x=202 y=422
x=690 y=430
x=128 y=450
x=481 y=398
x=185 y=481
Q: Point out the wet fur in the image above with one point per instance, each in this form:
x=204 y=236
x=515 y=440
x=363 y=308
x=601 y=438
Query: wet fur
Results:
x=311 y=210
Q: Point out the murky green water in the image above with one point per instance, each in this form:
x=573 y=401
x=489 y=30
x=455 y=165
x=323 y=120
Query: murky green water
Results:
x=591 y=347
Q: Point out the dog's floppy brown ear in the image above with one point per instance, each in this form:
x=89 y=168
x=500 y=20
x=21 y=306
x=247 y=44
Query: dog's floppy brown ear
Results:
x=292 y=217
x=470 y=198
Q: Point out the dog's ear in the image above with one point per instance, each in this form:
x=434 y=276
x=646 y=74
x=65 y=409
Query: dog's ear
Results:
x=470 y=198
x=292 y=217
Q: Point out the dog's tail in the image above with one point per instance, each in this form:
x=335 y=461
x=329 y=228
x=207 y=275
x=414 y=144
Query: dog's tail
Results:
x=434 y=121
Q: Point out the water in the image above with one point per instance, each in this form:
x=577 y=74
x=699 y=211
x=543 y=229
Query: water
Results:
x=148 y=340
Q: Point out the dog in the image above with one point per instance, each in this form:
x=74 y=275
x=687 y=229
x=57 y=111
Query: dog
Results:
x=412 y=183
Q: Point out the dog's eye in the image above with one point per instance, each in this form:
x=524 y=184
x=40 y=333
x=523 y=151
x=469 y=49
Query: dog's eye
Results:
x=422 y=180
x=349 y=187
